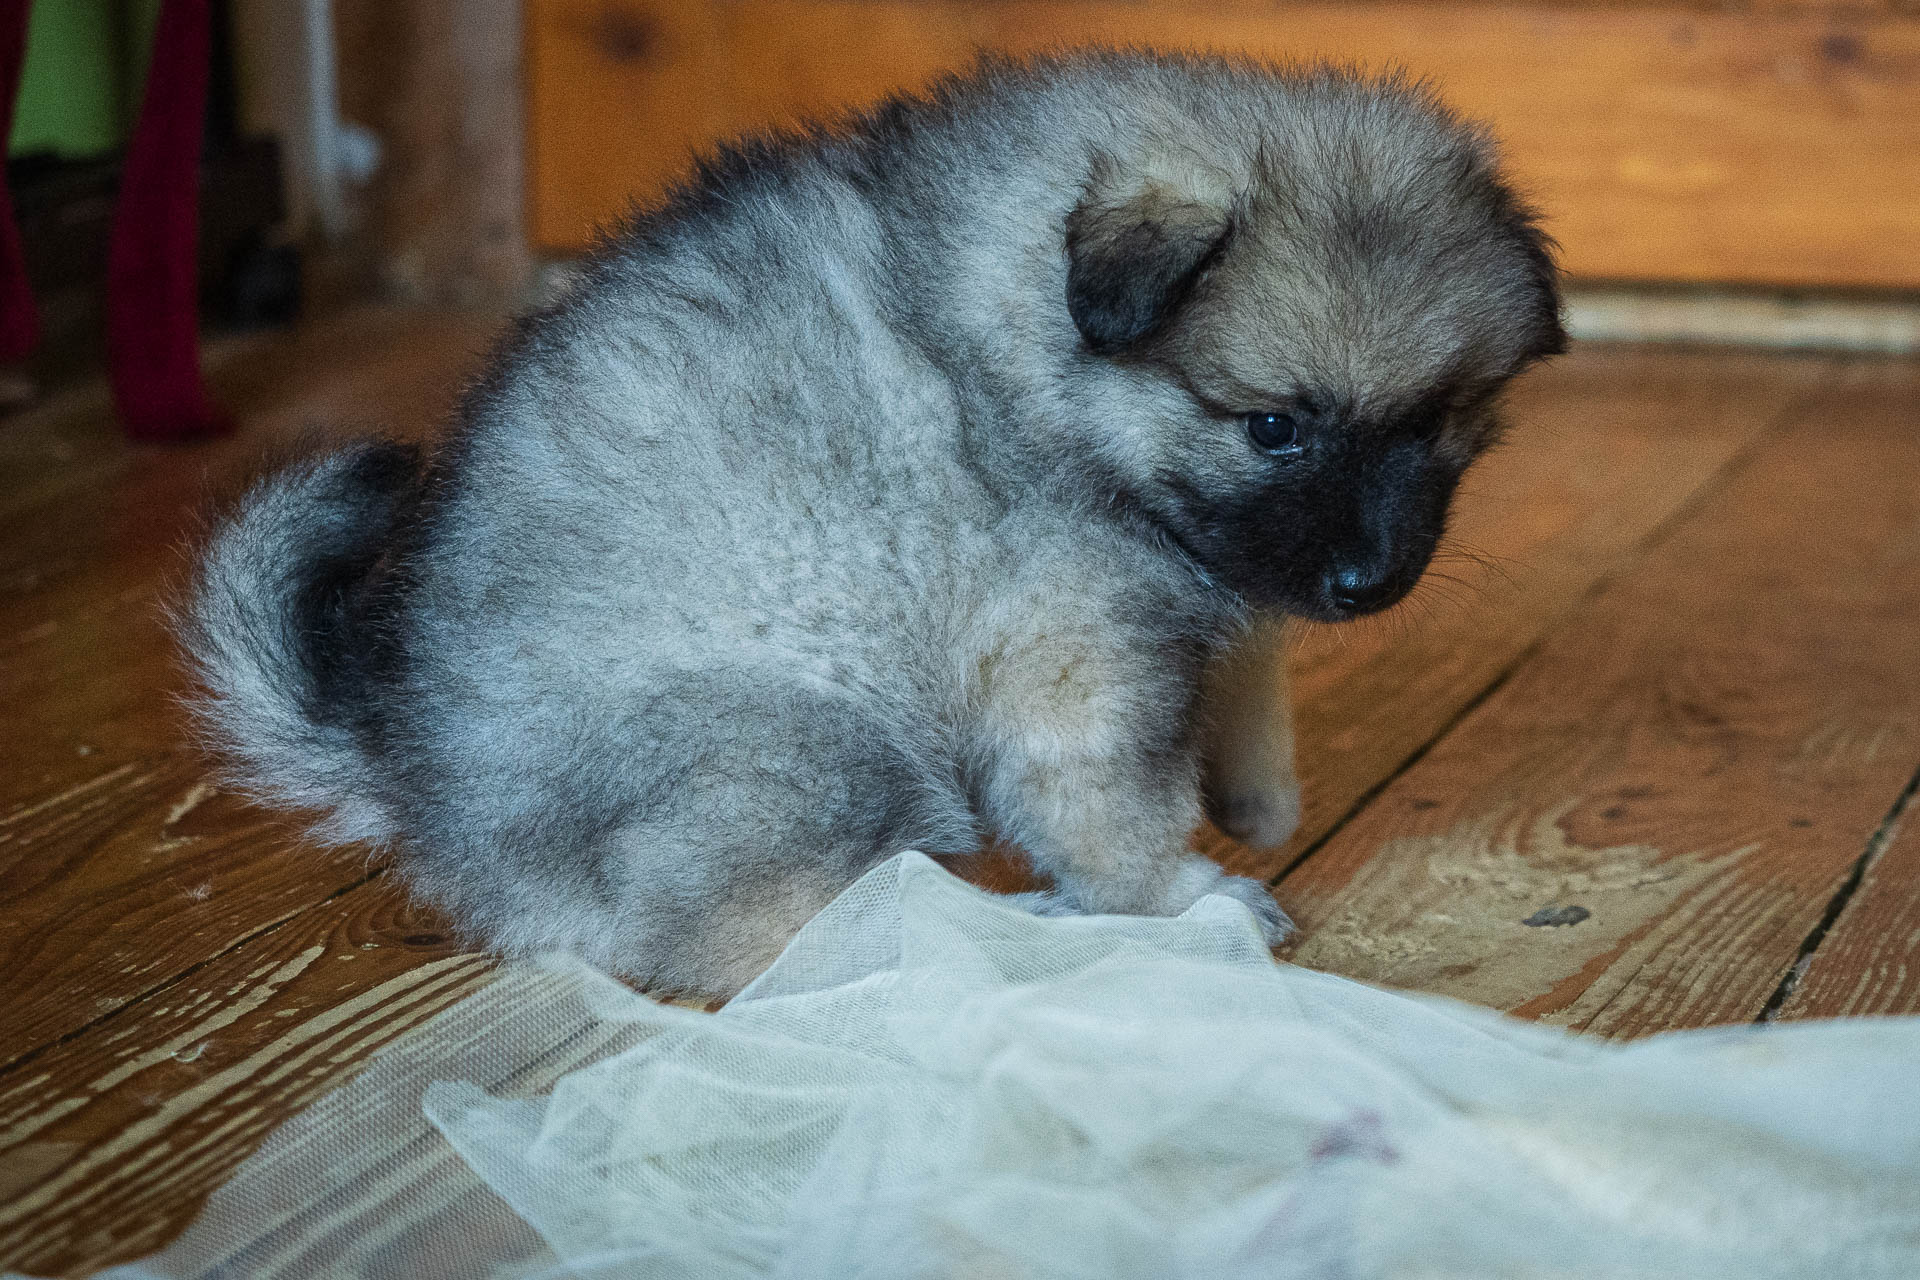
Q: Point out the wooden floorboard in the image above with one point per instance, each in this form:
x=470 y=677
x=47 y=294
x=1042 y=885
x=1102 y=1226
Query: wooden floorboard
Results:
x=123 y=883
x=110 y=1141
x=1866 y=960
x=83 y=554
x=119 y=867
x=1606 y=449
x=1641 y=828
x=187 y=972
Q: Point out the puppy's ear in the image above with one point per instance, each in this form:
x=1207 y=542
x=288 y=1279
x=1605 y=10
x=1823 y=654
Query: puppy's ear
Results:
x=1133 y=252
x=1539 y=248
x=1539 y=252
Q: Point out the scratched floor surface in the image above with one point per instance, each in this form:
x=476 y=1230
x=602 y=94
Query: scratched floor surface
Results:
x=1634 y=759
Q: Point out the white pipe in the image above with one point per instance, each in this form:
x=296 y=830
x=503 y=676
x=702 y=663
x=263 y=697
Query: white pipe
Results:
x=322 y=114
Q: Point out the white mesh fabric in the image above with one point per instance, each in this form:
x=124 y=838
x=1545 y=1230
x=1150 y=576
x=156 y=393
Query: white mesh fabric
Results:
x=931 y=1083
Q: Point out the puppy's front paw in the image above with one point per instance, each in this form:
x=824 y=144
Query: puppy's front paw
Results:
x=1262 y=817
x=1275 y=926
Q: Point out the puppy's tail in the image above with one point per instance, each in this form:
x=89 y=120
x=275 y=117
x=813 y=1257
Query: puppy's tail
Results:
x=274 y=623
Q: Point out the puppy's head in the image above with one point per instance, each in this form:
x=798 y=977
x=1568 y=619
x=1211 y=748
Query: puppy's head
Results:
x=1295 y=345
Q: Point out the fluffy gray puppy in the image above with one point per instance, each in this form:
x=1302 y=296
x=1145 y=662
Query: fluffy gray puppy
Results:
x=890 y=484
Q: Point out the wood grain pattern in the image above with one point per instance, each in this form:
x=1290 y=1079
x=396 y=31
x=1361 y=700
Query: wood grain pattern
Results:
x=1678 y=142
x=117 y=886
x=1605 y=449
x=169 y=1003
x=1694 y=761
x=1869 y=960
x=119 y=868
x=90 y=526
x=109 y=1142
x=1705 y=715
x=435 y=80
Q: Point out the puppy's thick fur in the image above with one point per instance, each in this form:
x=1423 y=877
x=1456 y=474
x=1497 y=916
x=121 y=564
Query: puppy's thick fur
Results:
x=891 y=483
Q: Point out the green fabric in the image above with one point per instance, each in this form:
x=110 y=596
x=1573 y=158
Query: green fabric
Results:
x=80 y=89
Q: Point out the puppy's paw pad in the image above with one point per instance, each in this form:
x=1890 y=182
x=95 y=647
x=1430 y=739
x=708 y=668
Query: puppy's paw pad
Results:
x=1275 y=925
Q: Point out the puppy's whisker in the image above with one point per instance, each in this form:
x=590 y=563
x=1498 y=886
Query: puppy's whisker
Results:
x=1492 y=561
x=1441 y=594
x=1455 y=588
x=1488 y=565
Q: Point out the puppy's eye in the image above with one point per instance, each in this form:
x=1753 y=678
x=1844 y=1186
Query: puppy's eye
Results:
x=1274 y=432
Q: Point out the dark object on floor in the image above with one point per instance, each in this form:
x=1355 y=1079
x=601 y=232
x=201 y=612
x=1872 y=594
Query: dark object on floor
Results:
x=1554 y=917
x=261 y=286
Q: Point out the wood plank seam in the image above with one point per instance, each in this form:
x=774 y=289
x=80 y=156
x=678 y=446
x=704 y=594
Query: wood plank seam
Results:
x=435 y=985
x=1704 y=751
x=1628 y=981
x=1663 y=529
x=1782 y=422
x=38 y=1051
x=1367 y=797
x=1877 y=845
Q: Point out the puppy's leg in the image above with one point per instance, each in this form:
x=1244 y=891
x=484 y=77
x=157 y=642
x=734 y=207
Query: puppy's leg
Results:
x=1089 y=766
x=1252 y=792
x=738 y=808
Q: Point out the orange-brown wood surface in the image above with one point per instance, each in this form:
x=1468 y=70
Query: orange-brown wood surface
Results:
x=1869 y=960
x=1680 y=697
x=1665 y=142
x=1613 y=447
x=112 y=1138
x=1685 y=773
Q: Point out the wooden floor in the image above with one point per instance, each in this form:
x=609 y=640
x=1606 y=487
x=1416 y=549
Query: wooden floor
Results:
x=1637 y=764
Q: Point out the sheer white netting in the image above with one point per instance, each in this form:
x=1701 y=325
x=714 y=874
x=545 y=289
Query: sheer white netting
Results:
x=931 y=1083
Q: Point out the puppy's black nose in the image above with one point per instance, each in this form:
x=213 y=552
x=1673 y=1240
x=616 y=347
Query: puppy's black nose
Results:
x=1360 y=590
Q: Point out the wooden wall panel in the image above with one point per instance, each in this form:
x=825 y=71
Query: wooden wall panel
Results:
x=1771 y=146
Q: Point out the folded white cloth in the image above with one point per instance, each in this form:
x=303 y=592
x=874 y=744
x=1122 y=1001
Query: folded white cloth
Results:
x=932 y=1083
